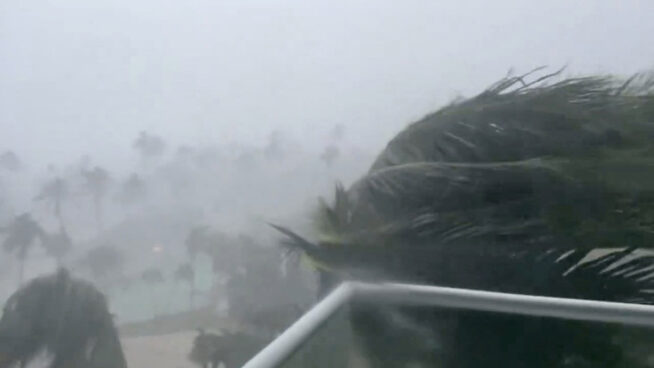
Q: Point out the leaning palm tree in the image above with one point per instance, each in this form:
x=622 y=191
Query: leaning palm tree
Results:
x=20 y=236
x=65 y=317
x=534 y=187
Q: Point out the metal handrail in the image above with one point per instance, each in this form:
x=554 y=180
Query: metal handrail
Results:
x=288 y=342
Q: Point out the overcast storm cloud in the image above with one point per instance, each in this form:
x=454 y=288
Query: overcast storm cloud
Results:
x=78 y=77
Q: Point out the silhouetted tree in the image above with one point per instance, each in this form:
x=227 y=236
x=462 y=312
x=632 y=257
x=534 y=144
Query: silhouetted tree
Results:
x=63 y=316
x=20 y=236
x=149 y=145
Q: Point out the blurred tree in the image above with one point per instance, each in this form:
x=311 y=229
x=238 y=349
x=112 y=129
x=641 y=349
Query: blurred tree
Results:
x=54 y=193
x=20 y=237
x=97 y=183
x=149 y=145
x=185 y=273
x=64 y=316
x=10 y=161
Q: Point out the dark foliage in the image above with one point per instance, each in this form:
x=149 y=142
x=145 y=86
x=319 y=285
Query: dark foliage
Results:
x=65 y=317
x=522 y=189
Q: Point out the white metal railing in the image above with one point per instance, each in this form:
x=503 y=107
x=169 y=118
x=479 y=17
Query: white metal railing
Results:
x=278 y=351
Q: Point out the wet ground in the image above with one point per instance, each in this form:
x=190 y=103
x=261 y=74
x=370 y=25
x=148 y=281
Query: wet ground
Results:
x=164 y=351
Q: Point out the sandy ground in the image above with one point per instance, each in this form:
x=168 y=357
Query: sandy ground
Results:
x=164 y=351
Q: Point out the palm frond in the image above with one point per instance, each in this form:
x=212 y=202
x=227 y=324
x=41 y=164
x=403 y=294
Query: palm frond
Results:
x=514 y=120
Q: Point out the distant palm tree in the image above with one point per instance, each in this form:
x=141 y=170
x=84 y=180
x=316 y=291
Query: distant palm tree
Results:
x=149 y=145
x=54 y=192
x=97 y=183
x=21 y=236
x=185 y=273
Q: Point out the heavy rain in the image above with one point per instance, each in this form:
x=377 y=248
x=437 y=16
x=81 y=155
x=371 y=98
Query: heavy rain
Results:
x=180 y=182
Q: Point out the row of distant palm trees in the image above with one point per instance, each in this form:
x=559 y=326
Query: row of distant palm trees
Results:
x=24 y=232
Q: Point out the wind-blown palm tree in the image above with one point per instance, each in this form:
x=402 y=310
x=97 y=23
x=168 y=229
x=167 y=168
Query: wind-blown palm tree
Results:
x=20 y=236
x=514 y=190
x=66 y=317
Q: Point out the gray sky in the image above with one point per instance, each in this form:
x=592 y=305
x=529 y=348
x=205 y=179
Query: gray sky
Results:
x=82 y=76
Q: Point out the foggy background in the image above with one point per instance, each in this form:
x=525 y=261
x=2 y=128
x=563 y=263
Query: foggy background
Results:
x=232 y=114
